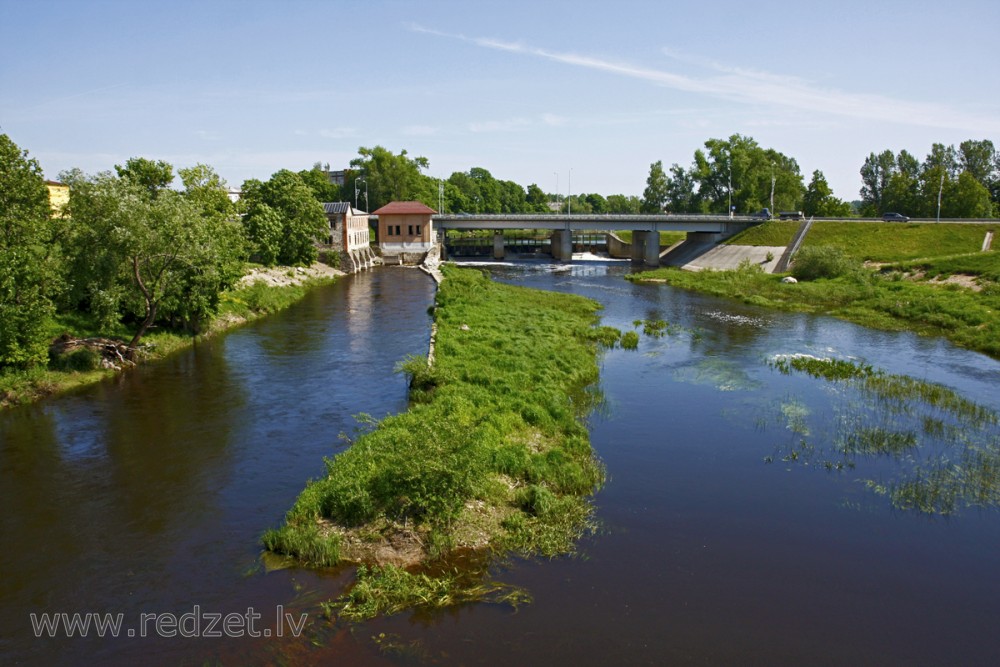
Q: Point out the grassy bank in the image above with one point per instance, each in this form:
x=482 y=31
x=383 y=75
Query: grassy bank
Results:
x=491 y=456
x=61 y=375
x=890 y=299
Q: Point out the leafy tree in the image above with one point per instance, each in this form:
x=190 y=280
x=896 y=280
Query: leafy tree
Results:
x=394 y=177
x=654 y=197
x=512 y=197
x=319 y=183
x=207 y=190
x=875 y=175
x=681 y=196
x=819 y=199
x=597 y=203
x=150 y=255
x=263 y=232
x=152 y=175
x=25 y=229
x=303 y=221
x=966 y=197
x=624 y=204
x=536 y=200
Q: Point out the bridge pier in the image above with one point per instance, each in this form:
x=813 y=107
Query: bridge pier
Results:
x=498 y=250
x=562 y=245
x=646 y=247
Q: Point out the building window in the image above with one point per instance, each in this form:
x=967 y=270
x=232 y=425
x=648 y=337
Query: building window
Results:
x=398 y=233
x=418 y=230
x=409 y=230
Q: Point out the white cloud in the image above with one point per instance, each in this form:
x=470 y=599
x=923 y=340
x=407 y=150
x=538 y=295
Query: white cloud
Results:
x=756 y=87
x=419 y=130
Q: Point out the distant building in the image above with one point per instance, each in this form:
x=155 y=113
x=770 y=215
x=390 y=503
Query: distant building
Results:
x=336 y=177
x=405 y=230
x=234 y=194
x=349 y=235
x=58 y=196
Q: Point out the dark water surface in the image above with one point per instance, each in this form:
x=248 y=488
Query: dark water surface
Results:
x=148 y=496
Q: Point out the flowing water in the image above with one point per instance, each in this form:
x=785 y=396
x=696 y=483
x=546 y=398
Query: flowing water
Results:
x=728 y=533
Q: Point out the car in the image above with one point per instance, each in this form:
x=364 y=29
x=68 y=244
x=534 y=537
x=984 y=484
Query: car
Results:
x=894 y=217
x=764 y=214
x=790 y=215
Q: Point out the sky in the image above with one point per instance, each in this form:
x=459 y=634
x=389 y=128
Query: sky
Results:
x=581 y=96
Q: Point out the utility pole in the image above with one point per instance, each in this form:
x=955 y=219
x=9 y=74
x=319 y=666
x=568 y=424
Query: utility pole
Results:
x=557 y=190
x=940 y=191
x=772 y=189
x=569 y=194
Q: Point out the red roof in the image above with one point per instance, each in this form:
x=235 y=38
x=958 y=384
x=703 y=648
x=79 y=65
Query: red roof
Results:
x=404 y=208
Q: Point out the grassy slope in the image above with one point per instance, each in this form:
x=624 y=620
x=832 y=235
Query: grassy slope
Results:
x=491 y=453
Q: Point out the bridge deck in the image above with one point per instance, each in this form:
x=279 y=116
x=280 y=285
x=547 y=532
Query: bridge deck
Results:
x=647 y=222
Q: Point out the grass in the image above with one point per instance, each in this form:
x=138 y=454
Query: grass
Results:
x=236 y=307
x=894 y=242
x=867 y=297
x=491 y=456
x=945 y=448
x=770 y=233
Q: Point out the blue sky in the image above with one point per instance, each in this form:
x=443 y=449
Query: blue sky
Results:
x=589 y=93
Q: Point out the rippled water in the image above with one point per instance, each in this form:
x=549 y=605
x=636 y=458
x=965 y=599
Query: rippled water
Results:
x=148 y=495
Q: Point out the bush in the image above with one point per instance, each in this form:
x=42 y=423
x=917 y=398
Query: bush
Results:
x=822 y=262
x=83 y=359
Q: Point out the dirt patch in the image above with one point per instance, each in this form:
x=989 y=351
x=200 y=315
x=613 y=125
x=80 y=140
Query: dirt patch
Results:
x=969 y=282
x=281 y=276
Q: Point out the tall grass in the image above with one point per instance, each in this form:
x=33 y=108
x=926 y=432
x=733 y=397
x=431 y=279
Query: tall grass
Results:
x=491 y=454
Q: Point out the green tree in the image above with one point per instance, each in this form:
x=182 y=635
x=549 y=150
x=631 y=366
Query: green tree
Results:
x=25 y=230
x=819 y=200
x=303 y=221
x=394 y=177
x=681 y=196
x=207 y=190
x=875 y=175
x=737 y=169
x=624 y=204
x=153 y=175
x=597 y=203
x=263 y=232
x=537 y=201
x=966 y=197
x=654 y=197
x=319 y=183
x=149 y=254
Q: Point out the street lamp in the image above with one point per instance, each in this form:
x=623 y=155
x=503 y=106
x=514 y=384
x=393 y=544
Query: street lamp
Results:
x=940 y=191
x=356 y=189
x=569 y=194
x=772 y=188
x=557 y=190
x=729 y=163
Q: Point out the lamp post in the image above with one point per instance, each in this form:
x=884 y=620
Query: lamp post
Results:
x=557 y=190
x=569 y=194
x=940 y=192
x=357 y=189
x=772 y=188
x=729 y=163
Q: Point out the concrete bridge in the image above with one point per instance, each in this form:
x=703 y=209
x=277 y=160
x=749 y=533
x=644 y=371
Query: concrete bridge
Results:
x=645 y=228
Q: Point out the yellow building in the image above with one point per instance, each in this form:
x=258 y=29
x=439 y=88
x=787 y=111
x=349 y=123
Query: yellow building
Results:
x=58 y=196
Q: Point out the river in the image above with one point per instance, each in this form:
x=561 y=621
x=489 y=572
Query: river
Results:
x=724 y=539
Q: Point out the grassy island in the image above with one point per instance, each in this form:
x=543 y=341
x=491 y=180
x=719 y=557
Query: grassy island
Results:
x=491 y=457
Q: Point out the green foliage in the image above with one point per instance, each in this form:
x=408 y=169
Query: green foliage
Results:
x=814 y=262
x=393 y=177
x=606 y=336
x=820 y=202
x=896 y=242
x=26 y=230
x=81 y=360
x=498 y=411
x=654 y=197
x=770 y=233
x=306 y=541
x=630 y=340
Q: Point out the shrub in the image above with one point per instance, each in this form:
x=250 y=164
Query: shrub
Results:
x=822 y=262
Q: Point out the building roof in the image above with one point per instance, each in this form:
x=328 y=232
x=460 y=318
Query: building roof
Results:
x=337 y=207
x=404 y=208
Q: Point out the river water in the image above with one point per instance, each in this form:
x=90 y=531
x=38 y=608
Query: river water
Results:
x=725 y=536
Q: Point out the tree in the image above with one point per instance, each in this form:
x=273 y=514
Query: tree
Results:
x=151 y=254
x=536 y=200
x=875 y=175
x=394 y=177
x=819 y=199
x=152 y=175
x=301 y=217
x=207 y=190
x=966 y=197
x=623 y=204
x=681 y=197
x=25 y=229
x=654 y=197
x=319 y=183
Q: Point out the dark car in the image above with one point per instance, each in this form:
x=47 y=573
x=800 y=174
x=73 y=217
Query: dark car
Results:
x=790 y=215
x=894 y=217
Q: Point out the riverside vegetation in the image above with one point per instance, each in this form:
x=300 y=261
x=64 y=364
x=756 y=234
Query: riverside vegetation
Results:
x=927 y=278
x=491 y=457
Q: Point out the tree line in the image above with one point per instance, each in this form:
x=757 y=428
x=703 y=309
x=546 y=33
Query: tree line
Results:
x=738 y=174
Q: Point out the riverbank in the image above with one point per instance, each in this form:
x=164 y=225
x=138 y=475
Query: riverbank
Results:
x=957 y=297
x=491 y=457
x=260 y=292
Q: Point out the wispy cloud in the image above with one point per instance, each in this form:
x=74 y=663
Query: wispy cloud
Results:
x=755 y=87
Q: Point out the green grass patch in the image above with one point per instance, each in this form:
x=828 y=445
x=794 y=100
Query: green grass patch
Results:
x=866 y=297
x=770 y=233
x=491 y=456
x=984 y=265
x=895 y=242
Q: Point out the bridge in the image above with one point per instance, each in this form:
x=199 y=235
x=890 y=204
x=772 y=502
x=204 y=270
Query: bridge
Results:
x=645 y=228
